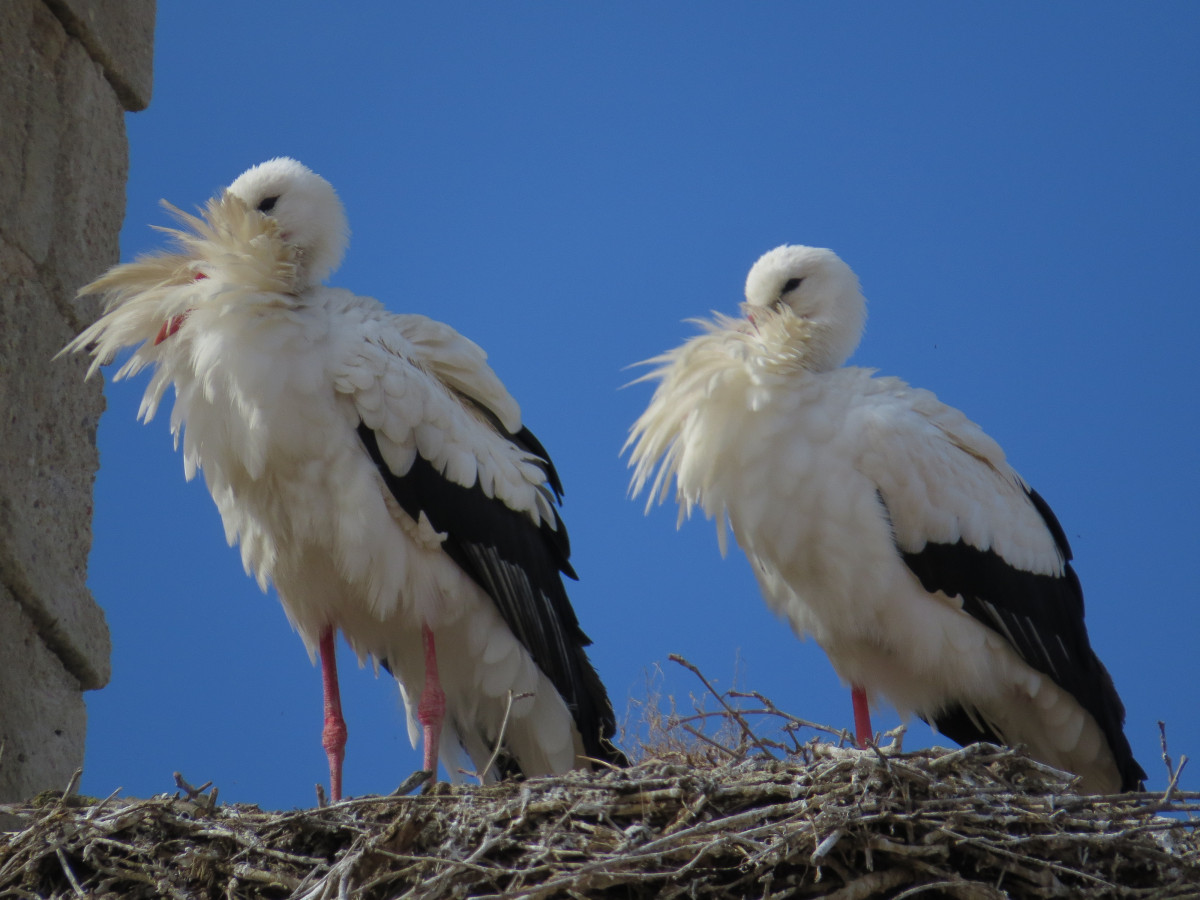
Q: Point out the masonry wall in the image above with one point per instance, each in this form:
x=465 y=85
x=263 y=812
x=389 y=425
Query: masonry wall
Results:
x=69 y=69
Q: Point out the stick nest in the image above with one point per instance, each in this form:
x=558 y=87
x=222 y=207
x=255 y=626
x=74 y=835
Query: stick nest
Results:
x=703 y=815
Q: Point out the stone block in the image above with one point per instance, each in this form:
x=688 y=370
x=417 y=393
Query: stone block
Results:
x=42 y=715
x=32 y=41
x=89 y=185
x=64 y=162
x=119 y=35
x=48 y=460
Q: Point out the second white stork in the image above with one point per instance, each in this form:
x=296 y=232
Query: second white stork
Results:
x=373 y=468
x=883 y=523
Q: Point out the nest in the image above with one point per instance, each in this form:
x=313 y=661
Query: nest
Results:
x=728 y=814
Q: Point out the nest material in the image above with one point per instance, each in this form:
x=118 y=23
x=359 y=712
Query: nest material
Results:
x=980 y=822
x=715 y=809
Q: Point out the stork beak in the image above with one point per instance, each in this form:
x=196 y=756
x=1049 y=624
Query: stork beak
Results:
x=170 y=326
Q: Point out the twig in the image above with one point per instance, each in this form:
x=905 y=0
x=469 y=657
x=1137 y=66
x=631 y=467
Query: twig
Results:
x=873 y=884
x=1162 y=740
x=968 y=890
x=771 y=709
x=1165 y=801
x=412 y=782
x=95 y=810
x=697 y=733
x=500 y=737
x=747 y=732
x=74 y=882
x=72 y=785
x=196 y=794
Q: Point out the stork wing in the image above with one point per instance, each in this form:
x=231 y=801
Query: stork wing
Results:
x=968 y=526
x=446 y=438
x=460 y=364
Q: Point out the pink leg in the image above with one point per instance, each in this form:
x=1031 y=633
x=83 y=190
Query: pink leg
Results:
x=333 y=737
x=862 y=717
x=431 y=711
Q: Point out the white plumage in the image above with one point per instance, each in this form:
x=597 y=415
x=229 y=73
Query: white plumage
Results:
x=371 y=466
x=882 y=522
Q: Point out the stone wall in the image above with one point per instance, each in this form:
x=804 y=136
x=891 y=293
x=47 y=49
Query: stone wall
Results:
x=69 y=69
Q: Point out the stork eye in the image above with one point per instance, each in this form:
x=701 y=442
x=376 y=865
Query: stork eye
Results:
x=267 y=204
x=790 y=285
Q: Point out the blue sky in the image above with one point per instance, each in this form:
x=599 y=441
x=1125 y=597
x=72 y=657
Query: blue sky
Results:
x=1015 y=184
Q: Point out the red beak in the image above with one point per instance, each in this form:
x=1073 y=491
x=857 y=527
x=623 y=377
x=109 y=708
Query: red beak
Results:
x=172 y=324
x=169 y=327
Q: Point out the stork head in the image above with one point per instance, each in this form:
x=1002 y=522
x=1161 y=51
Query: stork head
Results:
x=815 y=286
x=306 y=207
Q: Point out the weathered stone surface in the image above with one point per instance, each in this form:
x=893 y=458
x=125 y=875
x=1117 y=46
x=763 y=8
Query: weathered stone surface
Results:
x=31 y=42
x=48 y=459
x=89 y=185
x=68 y=69
x=119 y=36
x=64 y=174
x=44 y=718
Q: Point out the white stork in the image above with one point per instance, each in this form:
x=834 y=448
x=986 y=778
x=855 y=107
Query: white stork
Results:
x=371 y=466
x=883 y=523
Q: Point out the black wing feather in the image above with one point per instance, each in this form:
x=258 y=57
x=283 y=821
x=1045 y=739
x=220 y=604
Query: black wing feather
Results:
x=964 y=727
x=1042 y=617
x=520 y=565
